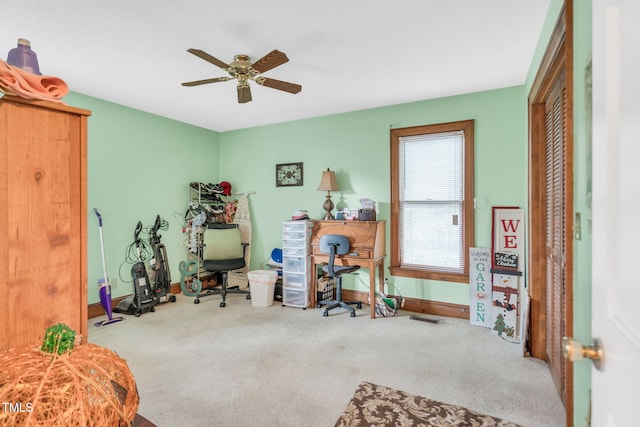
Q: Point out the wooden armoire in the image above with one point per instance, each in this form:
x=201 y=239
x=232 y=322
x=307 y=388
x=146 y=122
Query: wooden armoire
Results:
x=43 y=219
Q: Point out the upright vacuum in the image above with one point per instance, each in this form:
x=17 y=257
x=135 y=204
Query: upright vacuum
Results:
x=144 y=297
x=160 y=274
x=105 y=287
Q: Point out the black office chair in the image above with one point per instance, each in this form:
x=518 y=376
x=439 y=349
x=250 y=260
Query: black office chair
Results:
x=335 y=244
x=223 y=252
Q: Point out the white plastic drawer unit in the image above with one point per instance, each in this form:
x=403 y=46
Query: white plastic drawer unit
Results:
x=295 y=297
x=295 y=280
x=296 y=263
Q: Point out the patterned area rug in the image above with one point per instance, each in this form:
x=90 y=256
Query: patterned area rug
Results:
x=375 y=405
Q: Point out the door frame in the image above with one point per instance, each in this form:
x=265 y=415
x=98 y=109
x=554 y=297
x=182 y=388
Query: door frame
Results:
x=558 y=58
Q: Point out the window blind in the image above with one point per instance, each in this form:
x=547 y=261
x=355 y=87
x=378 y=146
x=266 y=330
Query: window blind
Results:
x=431 y=201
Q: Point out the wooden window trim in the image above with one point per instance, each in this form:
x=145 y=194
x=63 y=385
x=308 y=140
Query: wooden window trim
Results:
x=467 y=126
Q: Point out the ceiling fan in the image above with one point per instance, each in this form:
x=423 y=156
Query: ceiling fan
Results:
x=243 y=70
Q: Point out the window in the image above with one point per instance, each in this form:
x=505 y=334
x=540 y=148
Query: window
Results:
x=432 y=201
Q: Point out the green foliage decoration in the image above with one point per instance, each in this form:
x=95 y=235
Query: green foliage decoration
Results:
x=58 y=339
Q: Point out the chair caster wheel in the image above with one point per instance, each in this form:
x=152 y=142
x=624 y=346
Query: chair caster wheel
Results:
x=196 y=301
x=353 y=314
x=223 y=304
x=138 y=314
x=153 y=309
x=325 y=314
x=172 y=298
x=359 y=305
x=247 y=297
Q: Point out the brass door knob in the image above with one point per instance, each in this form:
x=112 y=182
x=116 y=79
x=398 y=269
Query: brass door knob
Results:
x=574 y=350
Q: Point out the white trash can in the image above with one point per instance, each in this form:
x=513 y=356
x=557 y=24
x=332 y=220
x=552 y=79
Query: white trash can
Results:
x=262 y=284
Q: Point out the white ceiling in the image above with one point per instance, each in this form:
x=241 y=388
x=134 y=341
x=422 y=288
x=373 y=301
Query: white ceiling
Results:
x=347 y=54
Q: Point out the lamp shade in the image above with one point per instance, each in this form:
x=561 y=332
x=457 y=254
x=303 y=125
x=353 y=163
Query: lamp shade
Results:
x=328 y=182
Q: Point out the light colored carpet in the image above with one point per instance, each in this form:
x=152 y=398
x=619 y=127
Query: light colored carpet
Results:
x=203 y=365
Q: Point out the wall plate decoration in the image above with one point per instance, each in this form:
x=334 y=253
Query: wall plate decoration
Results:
x=289 y=174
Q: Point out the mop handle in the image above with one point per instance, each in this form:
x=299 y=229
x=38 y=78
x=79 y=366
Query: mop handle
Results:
x=99 y=217
x=104 y=261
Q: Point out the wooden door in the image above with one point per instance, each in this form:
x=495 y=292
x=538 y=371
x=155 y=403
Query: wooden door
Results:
x=555 y=230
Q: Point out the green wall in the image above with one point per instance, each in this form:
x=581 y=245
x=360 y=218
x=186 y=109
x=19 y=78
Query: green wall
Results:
x=139 y=166
x=356 y=145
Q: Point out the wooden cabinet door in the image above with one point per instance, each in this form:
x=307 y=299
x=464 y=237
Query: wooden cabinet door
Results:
x=42 y=220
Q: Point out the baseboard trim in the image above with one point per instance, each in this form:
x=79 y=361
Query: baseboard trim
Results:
x=414 y=305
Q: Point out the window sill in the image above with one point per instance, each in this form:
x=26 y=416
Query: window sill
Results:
x=429 y=274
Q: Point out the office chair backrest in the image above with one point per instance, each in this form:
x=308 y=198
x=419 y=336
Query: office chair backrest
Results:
x=335 y=244
x=341 y=243
x=222 y=241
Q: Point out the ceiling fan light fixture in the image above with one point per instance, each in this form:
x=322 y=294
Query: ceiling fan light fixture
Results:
x=242 y=69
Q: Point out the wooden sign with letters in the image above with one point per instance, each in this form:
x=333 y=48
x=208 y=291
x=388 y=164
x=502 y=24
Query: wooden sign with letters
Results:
x=506 y=267
x=480 y=287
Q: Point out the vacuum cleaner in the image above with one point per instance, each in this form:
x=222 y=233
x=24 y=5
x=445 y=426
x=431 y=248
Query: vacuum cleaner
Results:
x=105 y=287
x=160 y=274
x=144 y=297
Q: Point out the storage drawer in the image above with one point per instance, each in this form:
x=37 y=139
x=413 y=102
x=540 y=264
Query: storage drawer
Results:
x=295 y=298
x=293 y=250
x=295 y=226
x=295 y=264
x=293 y=235
x=293 y=243
x=294 y=280
x=353 y=253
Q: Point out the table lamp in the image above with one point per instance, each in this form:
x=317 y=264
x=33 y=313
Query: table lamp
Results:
x=328 y=184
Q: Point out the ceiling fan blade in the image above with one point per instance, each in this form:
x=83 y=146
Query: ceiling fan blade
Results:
x=279 y=84
x=244 y=94
x=205 y=81
x=269 y=61
x=204 y=55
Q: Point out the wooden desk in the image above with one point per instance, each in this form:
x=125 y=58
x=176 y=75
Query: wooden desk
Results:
x=367 y=250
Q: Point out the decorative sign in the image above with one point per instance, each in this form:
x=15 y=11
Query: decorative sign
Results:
x=480 y=287
x=506 y=260
x=507 y=249
x=508 y=233
x=505 y=263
